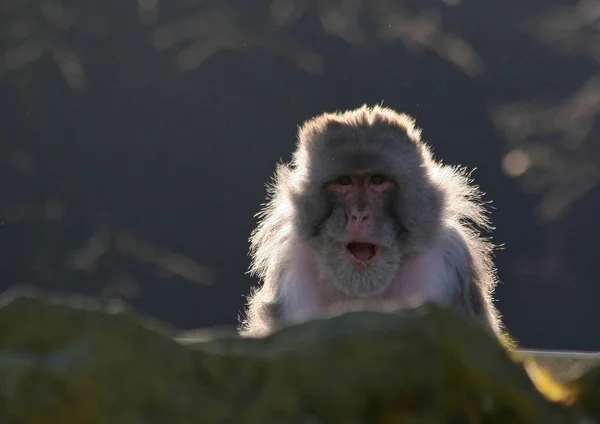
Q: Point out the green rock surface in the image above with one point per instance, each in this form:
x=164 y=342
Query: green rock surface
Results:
x=63 y=362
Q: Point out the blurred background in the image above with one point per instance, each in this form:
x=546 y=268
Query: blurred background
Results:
x=136 y=137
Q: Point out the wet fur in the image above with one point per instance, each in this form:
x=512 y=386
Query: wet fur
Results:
x=432 y=246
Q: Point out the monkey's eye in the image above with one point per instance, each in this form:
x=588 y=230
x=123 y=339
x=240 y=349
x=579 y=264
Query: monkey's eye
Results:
x=344 y=180
x=378 y=179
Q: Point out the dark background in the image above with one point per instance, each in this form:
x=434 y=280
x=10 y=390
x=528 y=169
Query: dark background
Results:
x=136 y=138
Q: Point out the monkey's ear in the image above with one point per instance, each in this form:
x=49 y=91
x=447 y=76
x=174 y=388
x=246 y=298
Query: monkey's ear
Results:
x=312 y=208
x=419 y=205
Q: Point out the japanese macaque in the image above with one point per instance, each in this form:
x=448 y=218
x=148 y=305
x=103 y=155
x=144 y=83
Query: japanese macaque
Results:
x=364 y=214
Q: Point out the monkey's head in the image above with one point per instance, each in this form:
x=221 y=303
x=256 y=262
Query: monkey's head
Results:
x=364 y=196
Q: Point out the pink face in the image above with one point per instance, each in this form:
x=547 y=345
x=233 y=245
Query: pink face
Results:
x=363 y=197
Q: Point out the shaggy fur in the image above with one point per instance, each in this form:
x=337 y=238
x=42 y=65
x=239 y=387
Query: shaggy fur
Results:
x=431 y=246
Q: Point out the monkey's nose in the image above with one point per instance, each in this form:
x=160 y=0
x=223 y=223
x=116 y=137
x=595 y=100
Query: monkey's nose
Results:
x=358 y=215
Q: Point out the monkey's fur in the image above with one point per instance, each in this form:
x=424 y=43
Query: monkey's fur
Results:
x=426 y=226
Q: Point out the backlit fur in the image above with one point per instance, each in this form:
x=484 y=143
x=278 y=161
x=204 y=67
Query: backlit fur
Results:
x=431 y=249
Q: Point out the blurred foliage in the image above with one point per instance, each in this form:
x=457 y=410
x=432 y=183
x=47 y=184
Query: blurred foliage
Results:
x=187 y=33
x=554 y=143
x=202 y=28
x=551 y=143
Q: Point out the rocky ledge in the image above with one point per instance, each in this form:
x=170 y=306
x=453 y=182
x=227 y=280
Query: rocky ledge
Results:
x=63 y=361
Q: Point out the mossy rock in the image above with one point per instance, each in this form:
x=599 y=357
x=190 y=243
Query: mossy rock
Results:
x=61 y=362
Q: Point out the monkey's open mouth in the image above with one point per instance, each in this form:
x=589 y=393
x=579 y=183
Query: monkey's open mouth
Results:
x=362 y=252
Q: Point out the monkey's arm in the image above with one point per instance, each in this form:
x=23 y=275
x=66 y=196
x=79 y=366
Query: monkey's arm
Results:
x=472 y=277
x=263 y=316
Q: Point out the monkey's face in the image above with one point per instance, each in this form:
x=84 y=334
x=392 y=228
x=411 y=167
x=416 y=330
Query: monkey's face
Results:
x=363 y=198
x=358 y=242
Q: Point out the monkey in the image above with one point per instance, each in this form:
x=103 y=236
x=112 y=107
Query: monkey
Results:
x=363 y=213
